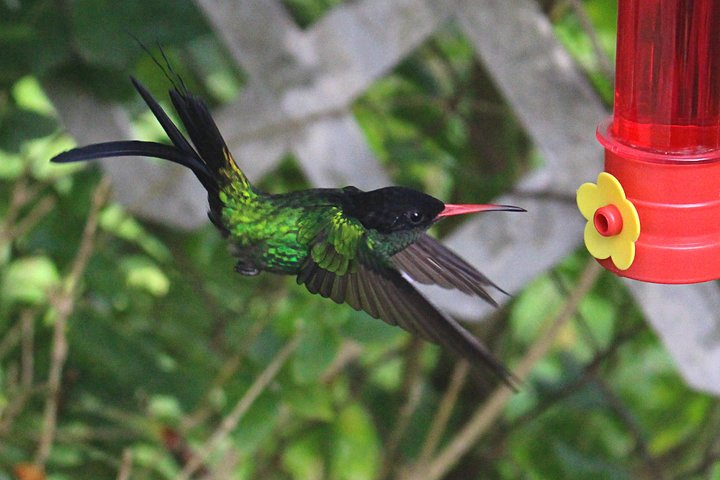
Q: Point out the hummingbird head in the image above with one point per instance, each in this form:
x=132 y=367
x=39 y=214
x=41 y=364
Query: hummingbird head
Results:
x=400 y=209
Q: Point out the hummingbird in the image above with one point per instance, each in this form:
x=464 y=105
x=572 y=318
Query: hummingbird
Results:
x=362 y=248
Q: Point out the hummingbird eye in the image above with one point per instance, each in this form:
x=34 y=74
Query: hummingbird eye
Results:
x=415 y=217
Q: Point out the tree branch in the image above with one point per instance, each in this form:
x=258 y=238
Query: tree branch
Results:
x=444 y=410
x=230 y=422
x=64 y=304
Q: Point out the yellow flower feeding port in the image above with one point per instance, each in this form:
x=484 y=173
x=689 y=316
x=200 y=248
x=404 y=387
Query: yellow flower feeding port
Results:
x=613 y=224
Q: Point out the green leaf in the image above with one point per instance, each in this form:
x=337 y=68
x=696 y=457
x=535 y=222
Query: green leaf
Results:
x=107 y=83
x=258 y=423
x=11 y=165
x=303 y=457
x=106 y=30
x=306 y=12
x=368 y=330
x=165 y=407
x=30 y=96
x=313 y=401
x=29 y=280
x=144 y=274
x=154 y=458
x=533 y=306
x=3 y=396
x=355 y=448
x=579 y=465
x=66 y=456
x=33 y=39
x=116 y=221
x=318 y=347
x=597 y=307
x=18 y=126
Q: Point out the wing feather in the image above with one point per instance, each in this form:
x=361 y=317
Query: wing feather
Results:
x=341 y=292
x=367 y=296
x=429 y=262
x=385 y=294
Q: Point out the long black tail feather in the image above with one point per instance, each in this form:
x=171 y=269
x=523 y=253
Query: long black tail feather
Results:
x=175 y=135
x=201 y=128
x=206 y=159
x=130 y=148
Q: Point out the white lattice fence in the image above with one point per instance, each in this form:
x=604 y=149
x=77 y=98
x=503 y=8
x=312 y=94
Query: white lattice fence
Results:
x=302 y=83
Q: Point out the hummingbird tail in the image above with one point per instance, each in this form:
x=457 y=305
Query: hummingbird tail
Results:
x=207 y=156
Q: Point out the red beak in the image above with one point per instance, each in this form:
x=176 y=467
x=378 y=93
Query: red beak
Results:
x=451 y=209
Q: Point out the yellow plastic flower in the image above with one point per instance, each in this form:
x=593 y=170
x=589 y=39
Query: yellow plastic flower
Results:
x=613 y=223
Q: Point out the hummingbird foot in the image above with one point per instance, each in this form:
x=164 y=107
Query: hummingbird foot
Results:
x=246 y=269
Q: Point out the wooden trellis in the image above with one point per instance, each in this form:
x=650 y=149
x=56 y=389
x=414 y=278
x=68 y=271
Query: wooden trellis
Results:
x=301 y=84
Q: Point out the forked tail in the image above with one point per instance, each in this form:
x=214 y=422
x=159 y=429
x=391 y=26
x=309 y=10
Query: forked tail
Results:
x=208 y=156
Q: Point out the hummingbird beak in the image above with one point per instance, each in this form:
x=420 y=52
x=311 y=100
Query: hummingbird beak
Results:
x=451 y=209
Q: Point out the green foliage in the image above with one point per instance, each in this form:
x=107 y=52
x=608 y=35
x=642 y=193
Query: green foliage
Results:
x=34 y=39
x=307 y=12
x=164 y=339
x=355 y=445
x=570 y=32
x=104 y=29
x=318 y=347
x=29 y=280
x=19 y=125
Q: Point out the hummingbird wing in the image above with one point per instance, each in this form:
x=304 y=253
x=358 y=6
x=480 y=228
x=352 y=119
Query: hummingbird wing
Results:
x=429 y=262
x=350 y=273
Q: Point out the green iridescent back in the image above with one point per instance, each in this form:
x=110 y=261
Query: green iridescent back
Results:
x=277 y=232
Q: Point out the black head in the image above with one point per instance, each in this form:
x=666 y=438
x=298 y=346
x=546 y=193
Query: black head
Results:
x=399 y=209
x=394 y=209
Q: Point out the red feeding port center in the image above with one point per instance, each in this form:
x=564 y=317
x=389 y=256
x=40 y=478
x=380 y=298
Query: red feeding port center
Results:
x=663 y=141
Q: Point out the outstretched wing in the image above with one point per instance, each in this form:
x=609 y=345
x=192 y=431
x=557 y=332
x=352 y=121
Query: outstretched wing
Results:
x=342 y=267
x=429 y=262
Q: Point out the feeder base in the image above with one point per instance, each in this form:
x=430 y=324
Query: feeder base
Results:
x=678 y=202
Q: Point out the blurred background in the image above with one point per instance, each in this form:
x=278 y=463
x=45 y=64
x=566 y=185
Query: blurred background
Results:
x=130 y=349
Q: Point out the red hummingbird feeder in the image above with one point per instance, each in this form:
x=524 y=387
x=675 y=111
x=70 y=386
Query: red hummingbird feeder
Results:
x=654 y=214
